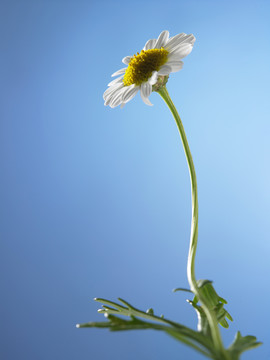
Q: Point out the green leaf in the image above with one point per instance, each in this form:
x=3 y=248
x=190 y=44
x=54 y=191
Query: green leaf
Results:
x=182 y=289
x=214 y=302
x=196 y=340
x=178 y=336
x=241 y=344
x=201 y=340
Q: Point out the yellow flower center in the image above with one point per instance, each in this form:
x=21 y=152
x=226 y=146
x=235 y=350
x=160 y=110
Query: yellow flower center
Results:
x=142 y=65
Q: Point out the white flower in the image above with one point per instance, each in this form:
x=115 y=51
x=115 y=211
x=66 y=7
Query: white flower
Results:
x=158 y=58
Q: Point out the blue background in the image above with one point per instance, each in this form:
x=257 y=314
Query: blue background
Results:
x=96 y=201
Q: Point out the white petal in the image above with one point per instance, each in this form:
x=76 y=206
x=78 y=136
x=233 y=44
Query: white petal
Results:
x=117 y=99
x=150 y=44
x=146 y=90
x=126 y=60
x=162 y=39
x=116 y=81
x=107 y=92
x=109 y=99
x=165 y=70
x=114 y=93
x=180 y=40
x=182 y=51
x=173 y=57
x=119 y=72
x=175 y=65
x=153 y=78
x=187 y=40
x=173 y=40
x=130 y=93
x=191 y=39
x=116 y=102
x=111 y=90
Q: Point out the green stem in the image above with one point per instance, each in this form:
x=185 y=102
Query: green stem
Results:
x=163 y=92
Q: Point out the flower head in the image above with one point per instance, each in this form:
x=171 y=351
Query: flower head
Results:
x=158 y=58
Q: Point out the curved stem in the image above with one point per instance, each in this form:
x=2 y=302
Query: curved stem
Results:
x=194 y=228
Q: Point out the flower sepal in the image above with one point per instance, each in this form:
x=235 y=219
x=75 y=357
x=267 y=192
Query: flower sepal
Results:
x=161 y=82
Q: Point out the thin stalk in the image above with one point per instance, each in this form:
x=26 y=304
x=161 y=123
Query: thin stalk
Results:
x=163 y=92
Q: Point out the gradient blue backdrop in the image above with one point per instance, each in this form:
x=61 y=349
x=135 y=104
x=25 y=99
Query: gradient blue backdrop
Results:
x=96 y=202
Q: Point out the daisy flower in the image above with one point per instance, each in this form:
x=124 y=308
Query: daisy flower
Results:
x=158 y=58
